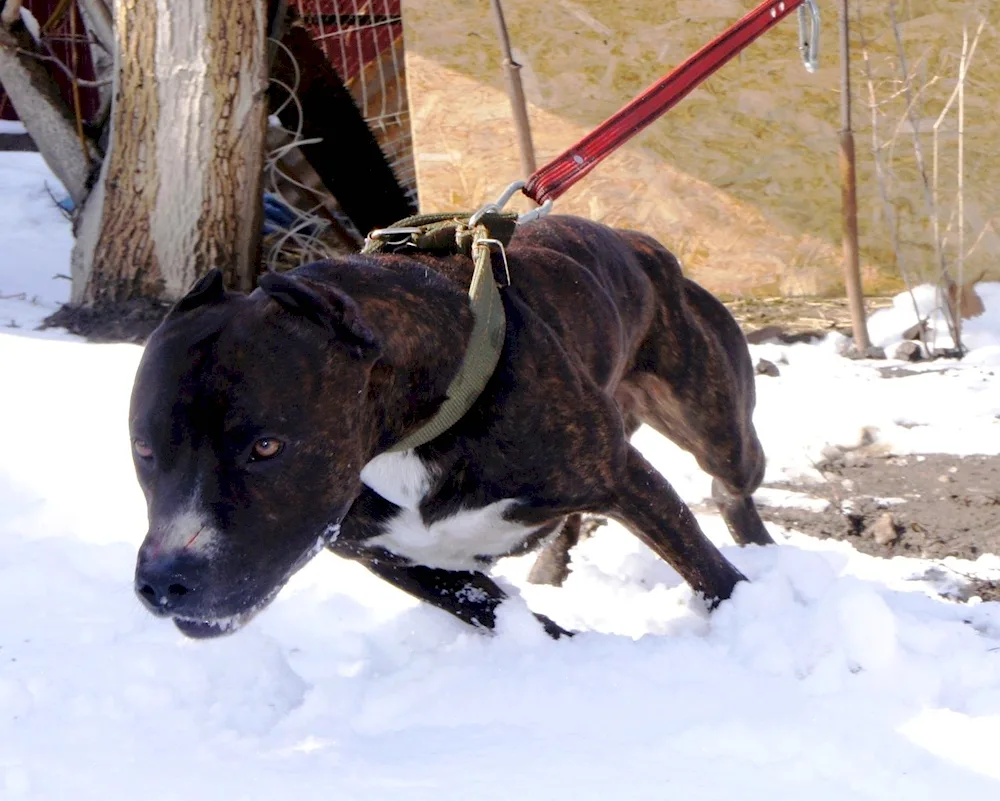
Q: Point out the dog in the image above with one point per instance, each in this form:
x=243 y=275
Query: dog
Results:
x=263 y=425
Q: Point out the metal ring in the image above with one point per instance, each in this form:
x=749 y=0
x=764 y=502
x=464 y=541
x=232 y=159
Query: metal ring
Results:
x=401 y=234
x=383 y=233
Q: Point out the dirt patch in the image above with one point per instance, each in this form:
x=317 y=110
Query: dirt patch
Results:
x=928 y=506
x=132 y=321
x=812 y=317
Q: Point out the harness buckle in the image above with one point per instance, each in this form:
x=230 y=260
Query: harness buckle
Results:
x=809 y=34
x=401 y=235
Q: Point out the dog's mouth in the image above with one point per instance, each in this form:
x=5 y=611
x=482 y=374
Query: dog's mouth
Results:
x=210 y=628
x=207 y=629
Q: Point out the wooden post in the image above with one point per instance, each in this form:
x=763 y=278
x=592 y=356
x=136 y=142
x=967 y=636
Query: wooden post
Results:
x=512 y=73
x=849 y=192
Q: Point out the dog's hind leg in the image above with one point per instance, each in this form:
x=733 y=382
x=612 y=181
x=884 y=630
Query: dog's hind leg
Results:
x=693 y=381
x=552 y=565
x=741 y=516
x=736 y=462
x=470 y=596
x=644 y=502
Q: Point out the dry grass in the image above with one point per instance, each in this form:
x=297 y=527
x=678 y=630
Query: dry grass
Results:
x=799 y=314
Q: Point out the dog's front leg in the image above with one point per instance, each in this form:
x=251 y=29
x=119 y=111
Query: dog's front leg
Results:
x=645 y=503
x=470 y=596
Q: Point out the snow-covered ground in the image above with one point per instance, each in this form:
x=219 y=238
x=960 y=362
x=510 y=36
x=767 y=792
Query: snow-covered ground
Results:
x=11 y=127
x=832 y=676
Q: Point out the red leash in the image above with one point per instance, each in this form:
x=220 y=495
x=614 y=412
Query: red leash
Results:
x=552 y=180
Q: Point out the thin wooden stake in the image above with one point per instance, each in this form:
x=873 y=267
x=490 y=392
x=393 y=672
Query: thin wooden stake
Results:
x=512 y=74
x=849 y=192
x=961 y=184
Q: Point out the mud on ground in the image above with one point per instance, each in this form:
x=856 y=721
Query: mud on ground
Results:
x=130 y=321
x=928 y=506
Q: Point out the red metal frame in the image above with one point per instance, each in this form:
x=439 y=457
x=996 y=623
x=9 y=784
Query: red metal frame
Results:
x=63 y=46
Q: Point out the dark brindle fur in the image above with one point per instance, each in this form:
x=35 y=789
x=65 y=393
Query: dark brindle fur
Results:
x=253 y=418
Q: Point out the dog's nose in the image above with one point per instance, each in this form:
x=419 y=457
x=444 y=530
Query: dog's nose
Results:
x=165 y=583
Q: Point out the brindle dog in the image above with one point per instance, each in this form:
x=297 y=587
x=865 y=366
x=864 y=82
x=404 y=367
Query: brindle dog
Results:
x=262 y=423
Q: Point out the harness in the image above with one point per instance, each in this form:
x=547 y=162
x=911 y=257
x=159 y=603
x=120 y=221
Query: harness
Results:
x=474 y=236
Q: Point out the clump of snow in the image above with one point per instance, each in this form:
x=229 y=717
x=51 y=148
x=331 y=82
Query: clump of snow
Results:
x=980 y=334
x=831 y=676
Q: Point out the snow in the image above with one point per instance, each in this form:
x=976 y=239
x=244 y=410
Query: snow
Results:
x=832 y=675
x=981 y=334
x=12 y=127
x=35 y=241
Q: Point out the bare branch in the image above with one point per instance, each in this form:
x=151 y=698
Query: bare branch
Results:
x=51 y=58
x=11 y=12
x=918 y=152
x=880 y=178
x=97 y=17
x=48 y=120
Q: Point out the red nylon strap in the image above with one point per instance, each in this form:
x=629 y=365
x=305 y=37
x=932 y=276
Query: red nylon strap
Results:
x=552 y=180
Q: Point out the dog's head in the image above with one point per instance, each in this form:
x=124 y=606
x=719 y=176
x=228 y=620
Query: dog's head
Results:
x=245 y=470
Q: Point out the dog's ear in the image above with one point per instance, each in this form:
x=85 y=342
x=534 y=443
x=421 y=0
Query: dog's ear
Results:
x=331 y=309
x=208 y=289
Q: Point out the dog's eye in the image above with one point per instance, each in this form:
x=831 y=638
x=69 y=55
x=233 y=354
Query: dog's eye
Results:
x=142 y=449
x=266 y=448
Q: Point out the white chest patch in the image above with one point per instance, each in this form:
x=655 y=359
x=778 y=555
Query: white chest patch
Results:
x=452 y=543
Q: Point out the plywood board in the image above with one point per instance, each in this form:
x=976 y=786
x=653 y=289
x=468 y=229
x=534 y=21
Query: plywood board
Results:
x=741 y=179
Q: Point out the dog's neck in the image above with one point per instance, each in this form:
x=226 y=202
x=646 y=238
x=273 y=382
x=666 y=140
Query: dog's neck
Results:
x=424 y=323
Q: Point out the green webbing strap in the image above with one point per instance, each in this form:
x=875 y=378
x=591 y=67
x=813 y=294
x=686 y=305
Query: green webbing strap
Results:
x=450 y=234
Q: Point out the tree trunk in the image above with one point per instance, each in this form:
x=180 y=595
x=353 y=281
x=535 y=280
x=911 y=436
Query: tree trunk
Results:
x=179 y=190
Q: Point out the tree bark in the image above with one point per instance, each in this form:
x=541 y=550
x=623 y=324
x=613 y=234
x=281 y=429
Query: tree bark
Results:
x=179 y=190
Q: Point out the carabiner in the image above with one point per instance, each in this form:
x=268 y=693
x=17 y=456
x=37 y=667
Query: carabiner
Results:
x=497 y=205
x=809 y=34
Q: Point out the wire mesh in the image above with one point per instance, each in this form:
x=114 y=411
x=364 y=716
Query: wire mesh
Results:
x=363 y=41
